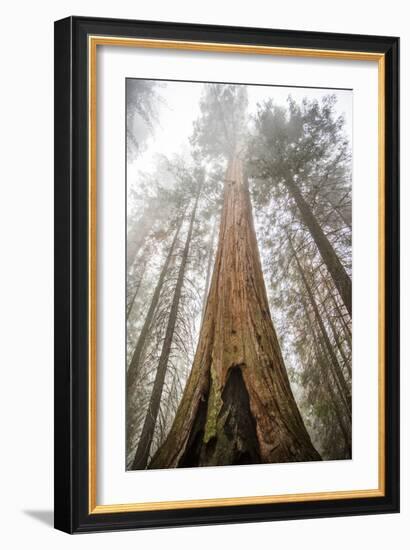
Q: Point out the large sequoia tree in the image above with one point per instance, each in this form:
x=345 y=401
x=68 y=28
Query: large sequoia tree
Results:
x=238 y=406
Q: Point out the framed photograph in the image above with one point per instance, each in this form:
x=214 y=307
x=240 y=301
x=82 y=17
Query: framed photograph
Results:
x=226 y=274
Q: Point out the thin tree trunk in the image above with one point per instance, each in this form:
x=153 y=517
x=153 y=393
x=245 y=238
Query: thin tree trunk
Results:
x=345 y=399
x=170 y=397
x=339 y=344
x=208 y=268
x=320 y=353
x=341 y=279
x=136 y=290
x=145 y=441
x=346 y=327
x=133 y=369
x=345 y=430
x=137 y=235
x=337 y=210
x=334 y=364
x=237 y=407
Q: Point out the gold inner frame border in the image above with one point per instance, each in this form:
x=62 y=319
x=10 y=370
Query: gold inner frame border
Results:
x=93 y=43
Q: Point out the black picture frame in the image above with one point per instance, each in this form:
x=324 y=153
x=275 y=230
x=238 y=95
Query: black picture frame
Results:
x=71 y=418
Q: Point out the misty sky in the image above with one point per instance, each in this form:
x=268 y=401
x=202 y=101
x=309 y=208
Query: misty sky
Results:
x=180 y=109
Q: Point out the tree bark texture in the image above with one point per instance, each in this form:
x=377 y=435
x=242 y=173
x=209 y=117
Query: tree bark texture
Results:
x=238 y=406
x=209 y=267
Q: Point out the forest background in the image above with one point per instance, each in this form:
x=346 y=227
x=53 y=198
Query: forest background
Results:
x=295 y=146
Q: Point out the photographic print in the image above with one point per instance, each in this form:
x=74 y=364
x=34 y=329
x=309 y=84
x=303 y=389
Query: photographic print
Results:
x=239 y=263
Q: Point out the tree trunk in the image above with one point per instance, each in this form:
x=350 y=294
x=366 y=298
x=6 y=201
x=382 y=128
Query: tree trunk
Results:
x=346 y=360
x=345 y=429
x=333 y=363
x=137 y=234
x=320 y=356
x=132 y=372
x=341 y=279
x=144 y=444
x=209 y=268
x=238 y=406
x=136 y=290
x=346 y=326
x=337 y=209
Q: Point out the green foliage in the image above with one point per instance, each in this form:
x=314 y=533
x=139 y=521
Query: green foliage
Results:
x=304 y=142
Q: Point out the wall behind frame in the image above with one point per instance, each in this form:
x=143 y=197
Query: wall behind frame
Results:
x=26 y=225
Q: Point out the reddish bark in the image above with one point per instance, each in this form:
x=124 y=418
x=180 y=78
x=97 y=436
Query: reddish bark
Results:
x=238 y=405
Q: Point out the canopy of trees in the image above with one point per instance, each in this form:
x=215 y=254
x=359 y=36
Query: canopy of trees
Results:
x=238 y=275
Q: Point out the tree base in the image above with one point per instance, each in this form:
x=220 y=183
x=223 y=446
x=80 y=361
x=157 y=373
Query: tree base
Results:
x=235 y=440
